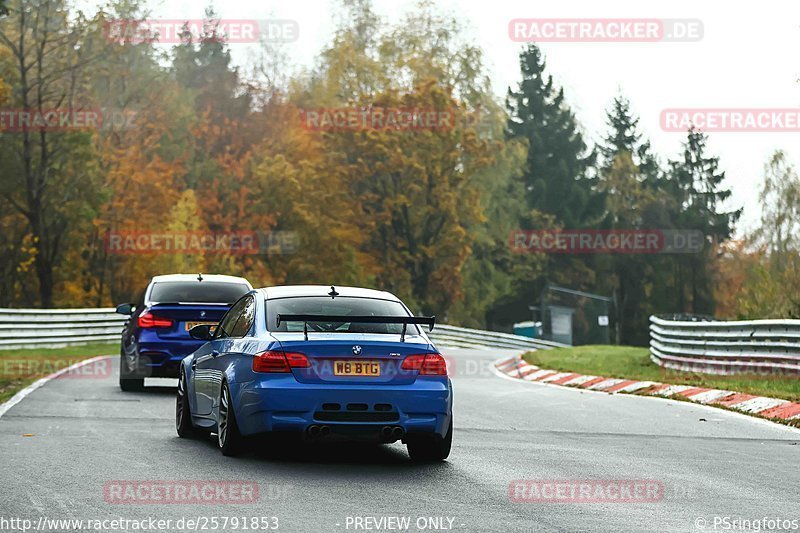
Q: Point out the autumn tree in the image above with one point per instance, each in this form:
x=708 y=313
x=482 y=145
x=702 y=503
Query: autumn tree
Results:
x=292 y=180
x=50 y=176
x=768 y=267
x=224 y=134
x=15 y=240
x=140 y=150
x=415 y=195
x=779 y=197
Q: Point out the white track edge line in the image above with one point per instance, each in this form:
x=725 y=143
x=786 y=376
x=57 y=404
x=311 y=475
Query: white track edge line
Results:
x=19 y=396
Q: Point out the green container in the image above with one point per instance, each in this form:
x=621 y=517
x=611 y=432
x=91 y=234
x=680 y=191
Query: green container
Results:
x=528 y=329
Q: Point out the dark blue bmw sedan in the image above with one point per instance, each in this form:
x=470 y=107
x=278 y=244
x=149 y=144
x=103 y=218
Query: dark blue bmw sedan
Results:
x=156 y=337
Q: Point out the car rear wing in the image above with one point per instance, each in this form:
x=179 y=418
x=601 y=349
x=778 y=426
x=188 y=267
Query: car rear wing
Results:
x=404 y=320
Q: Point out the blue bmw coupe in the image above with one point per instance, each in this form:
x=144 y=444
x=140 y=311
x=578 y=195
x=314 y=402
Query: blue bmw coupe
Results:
x=326 y=363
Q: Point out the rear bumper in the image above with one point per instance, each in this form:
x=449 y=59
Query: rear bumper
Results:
x=162 y=358
x=281 y=403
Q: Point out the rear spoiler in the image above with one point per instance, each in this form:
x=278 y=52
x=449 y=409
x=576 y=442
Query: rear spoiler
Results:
x=405 y=320
x=150 y=304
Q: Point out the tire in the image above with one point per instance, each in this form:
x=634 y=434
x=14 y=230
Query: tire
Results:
x=228 y=437
x=430 y=448
x=128 y=381
x=183 y=412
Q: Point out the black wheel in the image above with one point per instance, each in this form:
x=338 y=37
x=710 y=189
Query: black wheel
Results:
x=129 y=381
x=228 y=436
x=183 y=413
x=430 y=448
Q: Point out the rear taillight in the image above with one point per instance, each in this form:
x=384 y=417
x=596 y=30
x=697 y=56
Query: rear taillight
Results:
x=413 y=362
x=148 y=320
x=432 y=364
x=278 y=361
x=297 y=360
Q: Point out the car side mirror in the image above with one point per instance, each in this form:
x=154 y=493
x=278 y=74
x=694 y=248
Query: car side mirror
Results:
x=202 y=332
x=125 y=309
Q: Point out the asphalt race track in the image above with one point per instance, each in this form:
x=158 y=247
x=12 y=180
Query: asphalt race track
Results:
x=711 y=463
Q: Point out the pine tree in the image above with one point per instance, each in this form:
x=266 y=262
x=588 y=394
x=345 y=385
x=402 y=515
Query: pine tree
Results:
x=558 y=181
x=697 y=184
x=630 y=175
x=205 y=67
x=697 y=179
x=624 y=136
x=557 y=178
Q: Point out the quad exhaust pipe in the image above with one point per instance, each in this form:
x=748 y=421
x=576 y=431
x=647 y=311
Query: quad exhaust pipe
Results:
x=387 y=433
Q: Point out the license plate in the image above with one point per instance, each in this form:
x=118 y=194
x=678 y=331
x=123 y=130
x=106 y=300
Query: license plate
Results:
x=190 y=325
x=356 y=368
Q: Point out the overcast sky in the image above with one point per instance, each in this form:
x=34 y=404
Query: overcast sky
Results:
x=747 y=58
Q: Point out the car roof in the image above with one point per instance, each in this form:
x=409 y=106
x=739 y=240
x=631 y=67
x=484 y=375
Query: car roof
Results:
x=289 y=291
x=206 y=277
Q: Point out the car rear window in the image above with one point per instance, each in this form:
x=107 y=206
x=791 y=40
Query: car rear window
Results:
x=197 y=291
x=324 y=305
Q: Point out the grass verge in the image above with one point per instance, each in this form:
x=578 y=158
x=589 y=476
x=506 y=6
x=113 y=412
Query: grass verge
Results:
x=20 y=368
x=632 y=362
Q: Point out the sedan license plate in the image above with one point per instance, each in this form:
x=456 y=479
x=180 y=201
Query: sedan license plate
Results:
x=190 y=325
x=356 y=368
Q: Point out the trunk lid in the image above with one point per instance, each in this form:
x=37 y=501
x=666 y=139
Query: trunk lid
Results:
x=186 y=315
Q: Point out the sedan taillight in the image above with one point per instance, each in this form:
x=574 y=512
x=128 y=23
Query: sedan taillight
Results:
x=431 y=364
x=148 y=320
x=278 y=361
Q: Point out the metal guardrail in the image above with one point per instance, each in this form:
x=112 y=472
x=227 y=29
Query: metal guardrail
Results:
x=53 y=328
x=769 y=347
x=476 y=338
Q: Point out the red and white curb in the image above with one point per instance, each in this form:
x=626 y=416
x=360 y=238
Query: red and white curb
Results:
x=771 y=408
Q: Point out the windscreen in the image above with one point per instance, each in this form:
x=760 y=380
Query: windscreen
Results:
x=197 y=292
x=346 y=306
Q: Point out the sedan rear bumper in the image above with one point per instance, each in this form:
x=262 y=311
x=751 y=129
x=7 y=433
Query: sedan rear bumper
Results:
x=280 y=403
x=160 y=359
